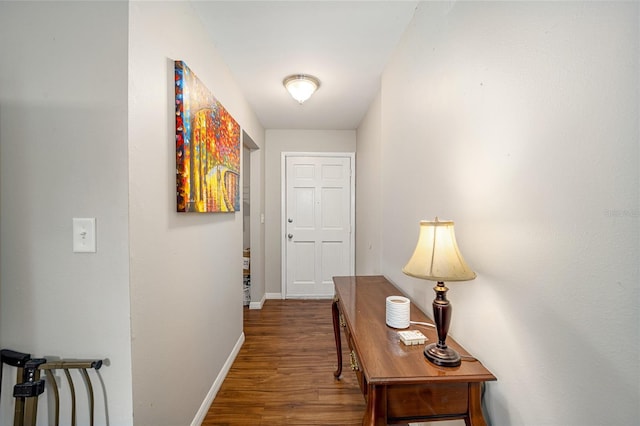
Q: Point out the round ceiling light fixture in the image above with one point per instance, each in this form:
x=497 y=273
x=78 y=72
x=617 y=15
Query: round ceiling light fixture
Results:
x=301 y=86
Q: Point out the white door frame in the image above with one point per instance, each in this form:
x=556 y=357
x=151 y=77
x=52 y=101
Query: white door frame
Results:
x=283 y=209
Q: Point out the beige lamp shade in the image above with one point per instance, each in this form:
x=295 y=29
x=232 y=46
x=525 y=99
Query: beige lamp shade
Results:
x=436 y=257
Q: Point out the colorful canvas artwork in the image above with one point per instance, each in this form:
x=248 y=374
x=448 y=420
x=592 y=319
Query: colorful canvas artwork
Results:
x=207 y=148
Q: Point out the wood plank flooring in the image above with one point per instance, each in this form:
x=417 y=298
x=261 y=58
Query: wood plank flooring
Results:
x=283 y=374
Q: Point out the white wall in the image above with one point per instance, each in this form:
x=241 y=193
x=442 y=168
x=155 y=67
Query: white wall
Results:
x=186 y=298
x=63 y=154
x=277 y=142
x=519 y=120
x=368 y=191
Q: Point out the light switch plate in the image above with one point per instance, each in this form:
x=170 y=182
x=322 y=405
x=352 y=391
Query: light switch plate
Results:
x=84 y=235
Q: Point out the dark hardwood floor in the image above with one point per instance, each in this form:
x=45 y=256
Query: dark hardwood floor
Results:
x=283 y=374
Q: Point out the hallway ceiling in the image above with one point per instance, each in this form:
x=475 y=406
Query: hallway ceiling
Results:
x=346 y=44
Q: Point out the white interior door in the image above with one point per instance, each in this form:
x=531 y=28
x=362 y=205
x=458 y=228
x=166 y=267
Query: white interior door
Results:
x=318 y=227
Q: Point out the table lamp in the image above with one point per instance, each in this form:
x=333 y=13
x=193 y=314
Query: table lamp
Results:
x=437 y=258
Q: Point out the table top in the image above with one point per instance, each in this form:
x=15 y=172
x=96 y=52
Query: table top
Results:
x=383 y=358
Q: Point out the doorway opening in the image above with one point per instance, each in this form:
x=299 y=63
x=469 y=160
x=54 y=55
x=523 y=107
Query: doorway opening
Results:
x=248 y=146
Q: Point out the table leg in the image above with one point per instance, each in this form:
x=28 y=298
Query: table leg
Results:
x=335 y=313
x=475 y=416
x=376 y=412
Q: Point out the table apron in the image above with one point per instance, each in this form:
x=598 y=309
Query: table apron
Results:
x=418 y=401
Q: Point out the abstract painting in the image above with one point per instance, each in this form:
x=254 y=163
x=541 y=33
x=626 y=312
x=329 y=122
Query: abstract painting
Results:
x=207 y=148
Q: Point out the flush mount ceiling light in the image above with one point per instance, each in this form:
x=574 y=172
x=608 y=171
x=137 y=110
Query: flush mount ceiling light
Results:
x=301 y=86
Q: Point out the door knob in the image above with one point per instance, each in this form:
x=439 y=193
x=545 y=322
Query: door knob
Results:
x=290 y=220
x=290 y=236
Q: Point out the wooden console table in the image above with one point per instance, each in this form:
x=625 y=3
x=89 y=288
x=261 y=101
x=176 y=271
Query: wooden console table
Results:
x=398 y=383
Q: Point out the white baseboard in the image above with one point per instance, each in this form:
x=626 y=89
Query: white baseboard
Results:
x=273 y=295
x=258 y=305
x=202 y=412
x=316 y=297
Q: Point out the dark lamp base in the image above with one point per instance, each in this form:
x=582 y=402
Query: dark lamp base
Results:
x=444 y=357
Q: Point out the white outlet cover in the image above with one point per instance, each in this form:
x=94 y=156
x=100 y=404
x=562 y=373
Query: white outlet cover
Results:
x=84 y=235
